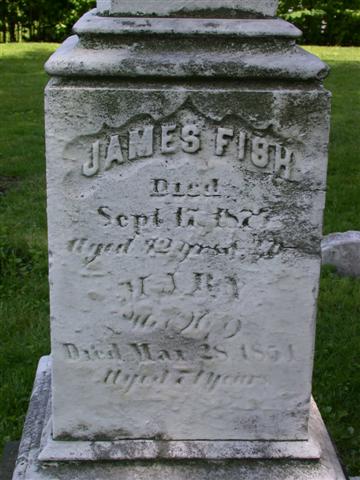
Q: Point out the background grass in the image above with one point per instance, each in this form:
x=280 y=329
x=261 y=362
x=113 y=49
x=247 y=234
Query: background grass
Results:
x=24 y=317
x=337 y=362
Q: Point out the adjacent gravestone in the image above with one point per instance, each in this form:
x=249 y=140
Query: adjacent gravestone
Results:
x=342 y=250
x=186 y=178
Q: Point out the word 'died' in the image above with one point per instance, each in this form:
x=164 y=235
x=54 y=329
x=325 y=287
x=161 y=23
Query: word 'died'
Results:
x=148 y=353
x=161 y=187
x=254 y=152
x=143 y=353
x=207 y=381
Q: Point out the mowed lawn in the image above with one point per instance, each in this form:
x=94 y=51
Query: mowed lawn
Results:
x=24 y=311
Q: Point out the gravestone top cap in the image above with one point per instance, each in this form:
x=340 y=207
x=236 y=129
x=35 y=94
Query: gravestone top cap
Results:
x=208 y=8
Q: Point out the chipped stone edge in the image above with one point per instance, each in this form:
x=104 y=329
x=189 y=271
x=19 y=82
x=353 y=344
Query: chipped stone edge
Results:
x=34 y=421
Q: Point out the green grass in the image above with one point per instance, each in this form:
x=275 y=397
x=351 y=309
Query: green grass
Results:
x=24 y=317
x=337 y=363
x=342 y=209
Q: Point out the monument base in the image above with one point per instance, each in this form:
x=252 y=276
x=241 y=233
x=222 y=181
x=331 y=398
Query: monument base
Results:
x=42 y=459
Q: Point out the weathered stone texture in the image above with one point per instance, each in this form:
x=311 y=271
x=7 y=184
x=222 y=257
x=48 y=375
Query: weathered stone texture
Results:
x=30 y=468
x=185 y=7
x=342 y=250
x=194 y=48
x=184 y=230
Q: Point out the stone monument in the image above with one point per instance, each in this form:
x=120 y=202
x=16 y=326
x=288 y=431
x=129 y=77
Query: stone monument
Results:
x=186 y=168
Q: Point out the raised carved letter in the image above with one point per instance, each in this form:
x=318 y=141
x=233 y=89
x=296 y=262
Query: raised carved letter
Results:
x=284 y=160
x=222 y=139
x=91 y=168
x=190 y=141
x=242 y=143
x=260 y=153
x=167 y=138
x=141 y=143
x=114 y=153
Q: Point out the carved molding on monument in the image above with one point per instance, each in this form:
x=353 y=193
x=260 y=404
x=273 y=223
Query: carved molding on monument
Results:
x=178 y=48
x=204 y=8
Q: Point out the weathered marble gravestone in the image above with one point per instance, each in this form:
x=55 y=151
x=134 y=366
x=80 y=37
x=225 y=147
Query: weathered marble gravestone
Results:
x=342 y=250
x=187 y=153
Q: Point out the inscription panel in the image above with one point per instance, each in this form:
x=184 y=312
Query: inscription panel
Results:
x=184 y=267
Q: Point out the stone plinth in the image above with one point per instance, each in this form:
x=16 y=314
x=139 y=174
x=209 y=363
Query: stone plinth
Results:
x=186 y=184
x=165 y=465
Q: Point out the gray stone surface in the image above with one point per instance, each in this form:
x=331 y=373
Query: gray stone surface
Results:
x=187 y=7
x=342 y=250
x=29 y=468
x=184 y=230
x=55 y=450
x=142 y=51
x=184 y=269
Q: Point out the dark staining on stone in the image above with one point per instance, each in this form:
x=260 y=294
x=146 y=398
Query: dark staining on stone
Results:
x=211 y=13
x=305 y=110
x=84 y=434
